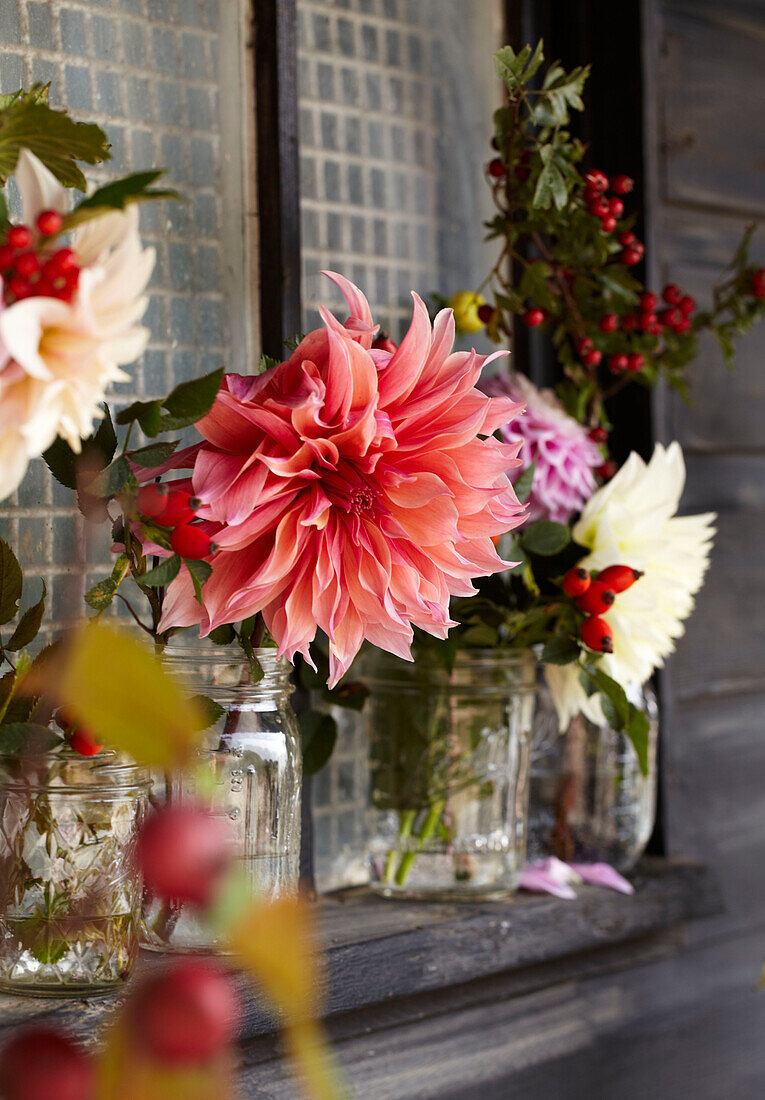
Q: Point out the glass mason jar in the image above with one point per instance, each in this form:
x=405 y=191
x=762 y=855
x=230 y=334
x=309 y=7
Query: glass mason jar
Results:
x=449 y=772
x=251 y=774
x=71 y=897
x=589 y=802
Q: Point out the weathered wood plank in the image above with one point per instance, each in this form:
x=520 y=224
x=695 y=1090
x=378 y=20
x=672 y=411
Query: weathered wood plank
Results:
x=713 y=107
x=429 y=948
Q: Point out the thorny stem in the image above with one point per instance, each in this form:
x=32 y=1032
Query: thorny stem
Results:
x=132 y=611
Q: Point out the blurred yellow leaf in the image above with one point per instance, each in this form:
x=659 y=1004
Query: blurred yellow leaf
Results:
x=114 y=685
x=274 y=943
x=125 y=1073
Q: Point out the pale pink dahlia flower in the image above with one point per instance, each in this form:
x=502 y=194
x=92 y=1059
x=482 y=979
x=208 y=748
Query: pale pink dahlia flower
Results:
x=350 y=489
x=564 y=478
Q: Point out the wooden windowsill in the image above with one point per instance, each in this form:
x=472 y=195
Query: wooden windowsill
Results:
x=378 y=950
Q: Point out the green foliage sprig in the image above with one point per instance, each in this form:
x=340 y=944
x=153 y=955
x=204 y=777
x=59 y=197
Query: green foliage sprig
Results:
x=566 y=268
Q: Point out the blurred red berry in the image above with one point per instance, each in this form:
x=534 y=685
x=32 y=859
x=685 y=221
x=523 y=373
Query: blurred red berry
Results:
x=485 y=313
x=182 y=853
x=27 y=264
x=631 y=256
x=592 y=357
x=584 y=344
x=646 y=321
x=687 y=305
x=626 y=238
x=43 y=1064
x=599 y=207
x=622 y=185
x=496 y=168
x=683 y=326
x=635 y=362
x=606 y=470
x=187 y=1014
x=609 y=322
x=672 y=317
x=630 y=323
x=60 y=263
x=608 y=224
x=7 y=256
x=616 y=207
x=649 y=301
x=49 y=222
x=596 y=180
x=84 y=743
x=671 y=294
x=19 y=287
x=598 y=434
x=18 y=237
x=533 y=317
x=618 y=363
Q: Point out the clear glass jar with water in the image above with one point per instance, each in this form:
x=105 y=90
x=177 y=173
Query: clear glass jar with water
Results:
x=449 y=756
x=249 y=772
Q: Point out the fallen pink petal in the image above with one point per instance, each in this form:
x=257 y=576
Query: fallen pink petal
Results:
x=603 y=874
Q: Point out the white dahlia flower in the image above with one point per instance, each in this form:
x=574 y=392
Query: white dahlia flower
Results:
x=62 y=343
x=632 y=521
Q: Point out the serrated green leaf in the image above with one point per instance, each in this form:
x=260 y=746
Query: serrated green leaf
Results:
x=28 y=625
x=17 y=737
x=118 y=195
x=525 y=482
x=153 y=455
x=551 y=183
x=190 y=401
x=56 y=139
x=161 y=574
x=265 y=363
x=11 y=583
x=318 y=734
x=210 y=711
x=96 y=453
x=111 y=480
x=147 y=413
x=256 y=669
x=545 y=538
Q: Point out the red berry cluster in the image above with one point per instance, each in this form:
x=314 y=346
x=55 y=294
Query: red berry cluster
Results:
x=607 y=210
x=32 y=268
x=594 y=597
x=677 y=316
x=176 y=509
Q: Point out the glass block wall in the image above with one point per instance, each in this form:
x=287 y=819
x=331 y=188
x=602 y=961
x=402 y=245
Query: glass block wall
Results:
x=152 y=74
x=395 y=117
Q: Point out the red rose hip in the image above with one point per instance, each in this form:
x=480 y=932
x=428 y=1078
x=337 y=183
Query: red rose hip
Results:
x=576 y=582
x=180 y=507
x=597 y=599
x=186 y=1015
x=619 y=577
x=597 y=635
x=43 y=1064
x=84 y=743
x=182 y=853
x=191 y=542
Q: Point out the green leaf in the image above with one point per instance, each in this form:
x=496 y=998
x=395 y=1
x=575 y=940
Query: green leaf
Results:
x=551 y=183
x=111 y=480
x=560 y=650
x=153 y=455
x=295 y=341
x=525 y=482
x=161 y=574
x=97 y=452
x=256 y=669
x=4 y=214
x=266 y=363
x=210 y=711
x=58 y=141
x=200 y=572
x=147 y=413
x=545 y=538
x=319 y=734
x=352 y=695
x=11 y=583
x=637 y=729
x=27 y=737
x=516 y=69
x=100 y=596
x=222 y=635
x=28 y=625
x=118 y=195
x=741 y=255
x=191 y=401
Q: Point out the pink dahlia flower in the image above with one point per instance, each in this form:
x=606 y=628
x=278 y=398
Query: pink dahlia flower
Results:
x=350 y=489
x=565 y=455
